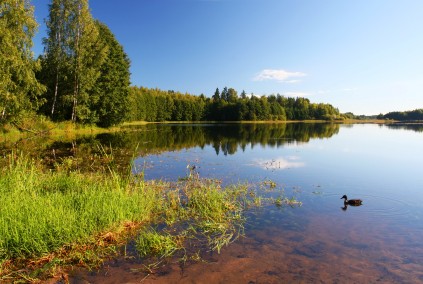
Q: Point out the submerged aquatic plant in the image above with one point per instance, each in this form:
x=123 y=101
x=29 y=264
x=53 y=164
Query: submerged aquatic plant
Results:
x=280 y=201
x=150 y=242
x=197 y=211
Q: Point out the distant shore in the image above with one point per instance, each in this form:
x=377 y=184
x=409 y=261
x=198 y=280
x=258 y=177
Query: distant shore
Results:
x=68 y=129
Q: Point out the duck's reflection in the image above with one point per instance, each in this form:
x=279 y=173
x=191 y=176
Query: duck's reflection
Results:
x=347 y=204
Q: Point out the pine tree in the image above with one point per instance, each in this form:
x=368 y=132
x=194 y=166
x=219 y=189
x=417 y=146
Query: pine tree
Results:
x=112 y=86
x=216 y=96
x=19 y=88
x=224 y=94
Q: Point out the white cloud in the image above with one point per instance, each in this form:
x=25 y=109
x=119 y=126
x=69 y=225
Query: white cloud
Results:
x=278 y=75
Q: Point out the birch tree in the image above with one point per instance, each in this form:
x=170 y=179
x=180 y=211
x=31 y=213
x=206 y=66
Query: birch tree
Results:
x=90 y=53
x=73 y=56
x=56 y=60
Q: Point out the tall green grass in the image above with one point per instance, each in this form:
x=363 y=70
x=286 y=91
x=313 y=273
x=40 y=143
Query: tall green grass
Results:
x=43 y=211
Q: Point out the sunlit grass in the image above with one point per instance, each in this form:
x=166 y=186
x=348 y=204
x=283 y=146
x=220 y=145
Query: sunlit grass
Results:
x=36 y=125
x=55 y=218
x=150 y=242
x=135 y=123
x=41 y=211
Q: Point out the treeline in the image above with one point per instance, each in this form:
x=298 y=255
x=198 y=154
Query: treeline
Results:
x=158 y=105
x=404 y=115
x=82 y=76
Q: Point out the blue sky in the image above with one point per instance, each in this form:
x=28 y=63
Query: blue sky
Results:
x=359 y=55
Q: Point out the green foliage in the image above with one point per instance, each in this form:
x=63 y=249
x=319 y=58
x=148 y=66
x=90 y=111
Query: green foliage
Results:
x=225 y=106
x=42 y=211
x=112 y=86
x=74 y=65
x=19 y=89
x=57 y=62
x=157 y=105
x=87 y=53
x=151 y=242
x=405 y=115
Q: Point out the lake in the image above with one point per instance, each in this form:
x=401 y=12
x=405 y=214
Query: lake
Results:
x=321 y=241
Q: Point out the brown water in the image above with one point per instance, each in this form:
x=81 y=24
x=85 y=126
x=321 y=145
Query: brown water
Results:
x=378 y=242
x=322 y=250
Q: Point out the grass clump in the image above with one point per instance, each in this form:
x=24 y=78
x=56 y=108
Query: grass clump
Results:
x=41 y=212
x=217 y=213
x=198 y=213
x=150 y=242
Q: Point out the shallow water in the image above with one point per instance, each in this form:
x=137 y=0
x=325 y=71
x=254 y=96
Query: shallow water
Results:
x=321 y=241
x=295 y=245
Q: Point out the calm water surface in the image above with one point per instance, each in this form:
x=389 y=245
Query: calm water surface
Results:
x=321 y=241
x=377 y=242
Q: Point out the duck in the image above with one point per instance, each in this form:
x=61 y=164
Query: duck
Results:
x=352 y=202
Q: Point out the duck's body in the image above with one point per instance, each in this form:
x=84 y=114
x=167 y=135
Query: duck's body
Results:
x=352 y=202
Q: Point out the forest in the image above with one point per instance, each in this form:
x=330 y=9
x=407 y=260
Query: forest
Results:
x=157 y=105
x=83 y=76
x=404 y=115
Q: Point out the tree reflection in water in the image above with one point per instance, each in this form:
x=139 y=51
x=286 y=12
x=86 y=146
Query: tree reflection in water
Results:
x=226 y=139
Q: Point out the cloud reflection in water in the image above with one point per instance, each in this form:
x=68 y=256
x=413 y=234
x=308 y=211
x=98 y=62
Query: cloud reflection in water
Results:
x=281 y=163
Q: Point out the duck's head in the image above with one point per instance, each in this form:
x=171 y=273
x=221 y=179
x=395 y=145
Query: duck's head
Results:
x=344 y=197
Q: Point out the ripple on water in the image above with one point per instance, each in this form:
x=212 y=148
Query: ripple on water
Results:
x=373 y=206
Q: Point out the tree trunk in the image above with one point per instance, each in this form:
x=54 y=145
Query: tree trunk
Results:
x=77 y=66
x=75 y=98
x=56 y=87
